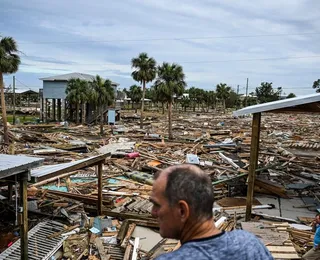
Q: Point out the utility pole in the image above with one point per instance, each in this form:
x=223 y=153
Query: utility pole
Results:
x=14 y=101
x=238 y=99
x=247 y=91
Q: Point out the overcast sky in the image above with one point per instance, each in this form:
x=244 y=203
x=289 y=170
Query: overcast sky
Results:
x=214 y=40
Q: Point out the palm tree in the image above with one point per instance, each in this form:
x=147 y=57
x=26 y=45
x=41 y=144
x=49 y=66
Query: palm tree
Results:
x=102 y=95
x=193 y=97
x=223 y=93
x=210 y=99
x=170 y=83
x=145 y=71
x=135 y=93
x=9 y=63
x=77 y=93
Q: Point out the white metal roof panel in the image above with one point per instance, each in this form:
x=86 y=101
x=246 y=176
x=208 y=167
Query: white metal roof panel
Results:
x=73 y=75
x=14 y=164
x=279 y=104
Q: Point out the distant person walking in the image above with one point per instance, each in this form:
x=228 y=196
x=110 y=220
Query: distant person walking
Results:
x=182 y=198
x=314 y=253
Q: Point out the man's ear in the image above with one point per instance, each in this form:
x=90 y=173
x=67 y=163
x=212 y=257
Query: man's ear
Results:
x=184 y=210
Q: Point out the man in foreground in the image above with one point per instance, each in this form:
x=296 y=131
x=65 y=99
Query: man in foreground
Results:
x=182 y=196
x=314 y=253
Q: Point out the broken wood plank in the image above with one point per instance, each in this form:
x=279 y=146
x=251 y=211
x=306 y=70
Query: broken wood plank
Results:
x=103 y=254
x=135 y=248
x=128 y=235
x=56 y=234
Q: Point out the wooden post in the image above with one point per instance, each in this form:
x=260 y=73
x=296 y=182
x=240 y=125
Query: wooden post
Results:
x=65 y=110
x=54 y=109
x=46 y=110
x=24 y=216
x=100 y=189
x=254 y=153
x=42 y=108
x=10 y=191
x=59 y=109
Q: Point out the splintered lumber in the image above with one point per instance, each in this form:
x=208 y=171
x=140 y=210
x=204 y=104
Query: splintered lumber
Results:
x=53 y=179
x=91 y=200
x=229 y=161
x=103 y=254
x=123 y=230
x=83 y=253
x=135 y=248
x=281 y=249
x=272 y=187
x=128 y=235
x=275 y=217
x=63 y=231
x=127 y=252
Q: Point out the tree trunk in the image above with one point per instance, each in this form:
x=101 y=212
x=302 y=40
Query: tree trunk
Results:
x=101 y=121
x=163 y=108
x=170 y=119
x=77 y=113
x=142 y=104
x=4 y=112
x=136 y=107
x=224 y=105
x=83 y=114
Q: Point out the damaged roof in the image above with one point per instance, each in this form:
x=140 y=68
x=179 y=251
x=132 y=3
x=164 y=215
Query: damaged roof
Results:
x=73 y=75
x=308 y=103
x=15 y=164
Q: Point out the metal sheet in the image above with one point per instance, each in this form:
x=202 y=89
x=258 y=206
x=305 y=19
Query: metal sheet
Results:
x=14 y=164
x=275 y=105
x=64 y=167
x=39 y=246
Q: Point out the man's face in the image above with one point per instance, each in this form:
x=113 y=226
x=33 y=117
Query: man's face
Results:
x=318 y=219
x=168 y=216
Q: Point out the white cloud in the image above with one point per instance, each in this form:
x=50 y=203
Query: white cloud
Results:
x=108 y=23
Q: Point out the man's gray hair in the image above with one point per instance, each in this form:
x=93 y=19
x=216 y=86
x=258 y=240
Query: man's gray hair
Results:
x=189 y=183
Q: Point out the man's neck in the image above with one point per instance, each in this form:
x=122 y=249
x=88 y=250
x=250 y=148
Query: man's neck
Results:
x=197 y=230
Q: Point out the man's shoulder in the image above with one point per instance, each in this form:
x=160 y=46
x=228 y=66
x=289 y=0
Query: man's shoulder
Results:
x=226 y=244
x=239 y=233
x=171 y=256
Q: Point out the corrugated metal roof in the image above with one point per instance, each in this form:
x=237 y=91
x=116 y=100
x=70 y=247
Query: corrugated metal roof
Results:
x=39 y=245
x=14 y=164
x=73 y=75
x=46 y=171
x=277 y=105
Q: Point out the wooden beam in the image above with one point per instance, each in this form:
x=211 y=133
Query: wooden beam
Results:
x=54 y=109
x=254 y=153
x=59 y=109
x=99 y=174
x=10 y=191
x=23 y=216
x=65 y=110
x=72 y=167
x=53 y=179
x=135 y=249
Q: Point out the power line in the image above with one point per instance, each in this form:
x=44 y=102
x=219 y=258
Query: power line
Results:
x=199 y=62
x=22 y=83
x=265 y=59
x=178 y=39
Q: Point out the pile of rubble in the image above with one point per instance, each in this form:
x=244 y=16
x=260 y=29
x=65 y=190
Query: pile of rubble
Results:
x=289 y=167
